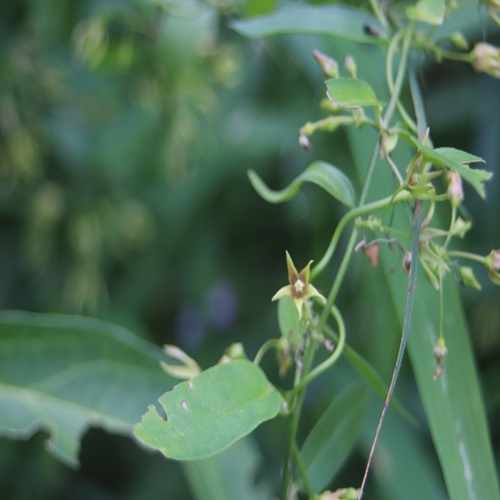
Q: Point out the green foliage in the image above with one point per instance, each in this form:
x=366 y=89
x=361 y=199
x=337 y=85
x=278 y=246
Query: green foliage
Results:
x=67 y=373
x=334 y=436
x=324 y=175
x=351 y=93
x=339 y=21
x=125 y=133
x=210 y=412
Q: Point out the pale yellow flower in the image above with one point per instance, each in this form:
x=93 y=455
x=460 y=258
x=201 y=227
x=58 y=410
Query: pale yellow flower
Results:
x=299 y=288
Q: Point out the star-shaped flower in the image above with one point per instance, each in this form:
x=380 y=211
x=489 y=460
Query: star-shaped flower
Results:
x=299 y=288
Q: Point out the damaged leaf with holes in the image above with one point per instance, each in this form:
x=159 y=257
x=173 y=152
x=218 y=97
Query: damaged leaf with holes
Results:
x=207 y=414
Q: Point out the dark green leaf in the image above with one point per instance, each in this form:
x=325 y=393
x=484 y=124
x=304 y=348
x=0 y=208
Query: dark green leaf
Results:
x=67 y=373
x=324 y=175
x=210 y=412
x=333 y=437
x=229 y=475
x=342 y=22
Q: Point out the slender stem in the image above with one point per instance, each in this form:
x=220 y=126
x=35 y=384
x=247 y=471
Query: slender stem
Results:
x=441 y=313
x=318 y=370
x=263 y=349
x=293 y=420
x=417 y=224
x=467 y=255
x=400 y=75
x=360 y=211
x=302 y=470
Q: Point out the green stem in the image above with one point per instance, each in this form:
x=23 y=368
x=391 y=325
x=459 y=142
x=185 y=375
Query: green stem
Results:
x=302 y=471
x=295 y=405
x=467 y=255
x=322 y=367
x=360 y=211
x=263 y=349
x=400 y=75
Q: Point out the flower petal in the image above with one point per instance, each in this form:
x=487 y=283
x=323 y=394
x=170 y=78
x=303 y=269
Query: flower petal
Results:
x=313 y=292
x=299 y=304
x=292 y=271
x=285 y=291
x=304 y=274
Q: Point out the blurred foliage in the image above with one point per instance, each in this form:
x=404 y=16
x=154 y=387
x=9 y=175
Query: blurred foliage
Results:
x=126 y=129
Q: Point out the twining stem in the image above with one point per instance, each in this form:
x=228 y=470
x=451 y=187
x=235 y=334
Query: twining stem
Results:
x=417 y=224
x=318 y=370
x=360 y=211
x=293 y=420
x=400 y=75
x=298 y=394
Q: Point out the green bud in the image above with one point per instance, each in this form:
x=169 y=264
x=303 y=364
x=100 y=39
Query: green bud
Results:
x=459 y=41
x=468 y=278
x=460 y=227
x=440 y=352
x=388 y=141
x=350 y=65
x=328 y=65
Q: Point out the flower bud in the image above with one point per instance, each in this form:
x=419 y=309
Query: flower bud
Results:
x=486 y=58
x=459 y=41
x=468 y=278
x=493 y=7
x=350 y=65
x=455 y=190
x=493 y=264
x=440 y=352
x=305 y=142
x=188 y=368
x=407 y=263
x=388 y=141
x=328 y=64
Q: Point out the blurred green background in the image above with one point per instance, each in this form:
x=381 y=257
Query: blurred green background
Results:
x=126 y=130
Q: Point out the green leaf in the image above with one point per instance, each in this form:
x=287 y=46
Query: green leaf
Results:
x=324 y=175
x=333 y=437
x=289 y=321
x=229 y=475
x=457 y=160
x=427 y=11
x=351 y=93
x=67 y=373
x=210 y=412
x=342 y=22
x=453 y=404
x=375 y=381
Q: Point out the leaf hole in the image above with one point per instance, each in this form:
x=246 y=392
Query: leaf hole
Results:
x=161 y=411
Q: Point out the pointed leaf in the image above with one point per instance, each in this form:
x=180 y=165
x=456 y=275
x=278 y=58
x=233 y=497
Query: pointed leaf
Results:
x=210 y=412
x=457 y=160
x=67 y=373
x=328 y=177
x=427 y=11
x=342 y=22
x=333 y=437
x=351 y=93
x=453 y=404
